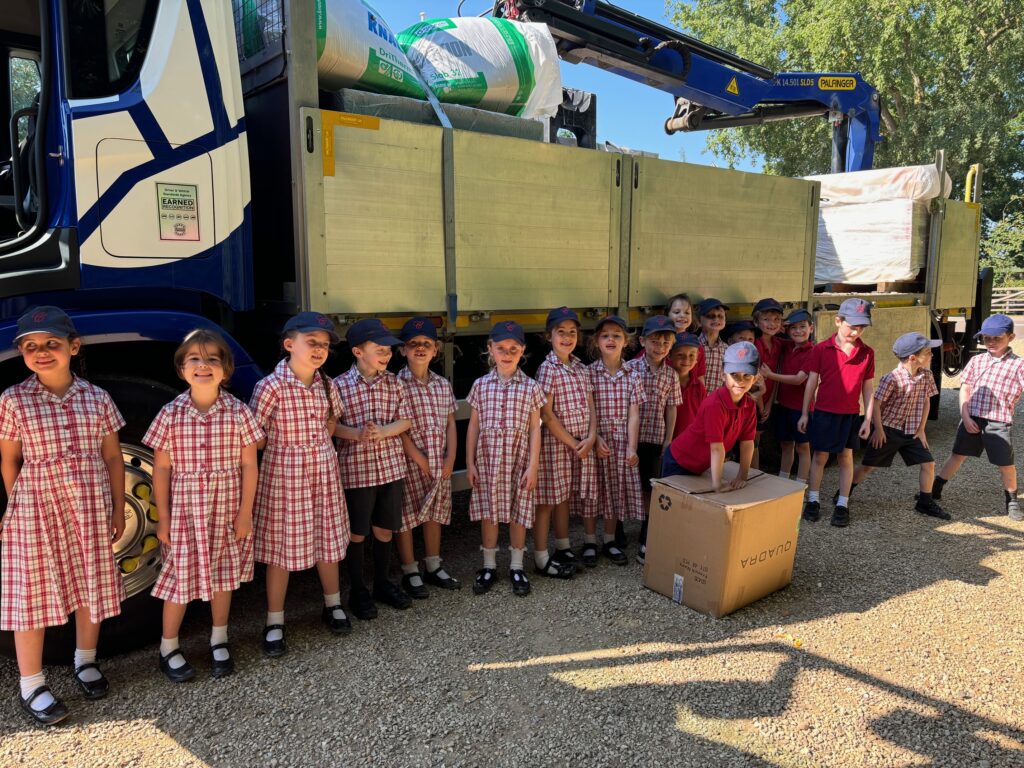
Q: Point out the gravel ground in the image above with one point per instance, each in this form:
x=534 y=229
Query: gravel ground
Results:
x=898 y=644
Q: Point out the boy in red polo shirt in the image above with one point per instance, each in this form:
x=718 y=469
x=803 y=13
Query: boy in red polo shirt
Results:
x=684 y=358
x=726 y=418
x=840 y=371
x=789 y=397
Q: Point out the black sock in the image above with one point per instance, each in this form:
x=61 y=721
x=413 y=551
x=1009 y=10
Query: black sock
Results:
x=852 y=486
x=643 y=533
x=354 y=559
x=381 y=561
x=924 y=497
x=937 y=487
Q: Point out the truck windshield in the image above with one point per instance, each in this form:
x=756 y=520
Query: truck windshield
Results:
x=107 y=43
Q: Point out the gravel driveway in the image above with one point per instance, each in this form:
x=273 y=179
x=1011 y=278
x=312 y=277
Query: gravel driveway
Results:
x=899 y=643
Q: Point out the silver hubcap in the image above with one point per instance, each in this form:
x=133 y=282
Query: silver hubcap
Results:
x=138 y=552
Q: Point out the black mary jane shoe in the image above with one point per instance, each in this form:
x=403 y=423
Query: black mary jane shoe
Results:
x=92 y=689
x=520 y=584
x=566 y=557
x=589 y=555
x=556 y=570
x=220 y=668
x=612 y=552
x=362 y=606
x=418 y=592
x=484 y=580
x=441 y=578
x=48 y=716
x=185 y=672
x=338 y=626
x=274 y=648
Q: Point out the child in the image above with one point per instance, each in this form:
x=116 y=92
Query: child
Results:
x=734 y=333
x=711 y=315
x=204 y=483
x=618 y=394
x=503 y=454
x=568 y=469
x=727 y=418
x=430 y=458
x=679 y=309
x=64 y=477
x=990 y=386
x=789 y=397
x=900 y=416
x=840 y=370
x=662 y=397
x=767 y=316
x=375 y=413
x=299 y=516
x=683 y=358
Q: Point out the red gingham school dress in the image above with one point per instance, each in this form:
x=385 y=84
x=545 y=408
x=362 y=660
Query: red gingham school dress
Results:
x=206 y=491
x=299 y=518
x=562 y=476
x=618 y=484
x=431 y=403
x=503 y=449
x=56 y=554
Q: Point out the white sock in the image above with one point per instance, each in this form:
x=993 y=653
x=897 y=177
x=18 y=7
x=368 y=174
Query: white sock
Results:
x=219 y=635
x=92 y=674
x=541 y=557
x=843 y=501
x=784 y=475
x=490 y=557
x=561 y=544
x=590 y=538
x=29 y=684
x=609 y=538
x=330 y=601
x=167 y=646
x=812 y=495
x=432 y=562
x=275 y=617
x=412 y=570
x=516 y=556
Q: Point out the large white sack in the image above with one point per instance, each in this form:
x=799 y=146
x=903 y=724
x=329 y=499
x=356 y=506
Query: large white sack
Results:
x=356 y=49
x=912 y=182
x=494 y=64
x=879 y=242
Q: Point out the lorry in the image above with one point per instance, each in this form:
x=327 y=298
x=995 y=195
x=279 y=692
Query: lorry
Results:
x=174 y=164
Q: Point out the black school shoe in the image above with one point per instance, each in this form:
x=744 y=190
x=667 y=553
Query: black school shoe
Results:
x=389 y=594
x=417 y=592
x=274 y=648
x=220 y=668
x=92 y=689
x=556 y=570
x=340 y=626
x=566 y=557
x=361 y=605
x=812 y=511
x=589 y=555
x=612 y=552
x=520 y=584
x=841 y=517
x=620 y=535
x=484 y=580
x=441 y=578
x=930 y=508
x=185 y=672
x=48 y=716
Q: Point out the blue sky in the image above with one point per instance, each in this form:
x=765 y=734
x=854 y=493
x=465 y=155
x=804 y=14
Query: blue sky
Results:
x=628 y=114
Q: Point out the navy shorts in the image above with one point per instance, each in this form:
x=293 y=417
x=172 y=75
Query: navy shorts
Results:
x=910 y=449
x=650 y=463
x=669 y=466
x=379 y=505
x=994 y=438
x=834 y=432
x=785 y=425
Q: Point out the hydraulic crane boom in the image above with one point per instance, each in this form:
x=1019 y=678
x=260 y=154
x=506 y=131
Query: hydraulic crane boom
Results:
x=712 y=88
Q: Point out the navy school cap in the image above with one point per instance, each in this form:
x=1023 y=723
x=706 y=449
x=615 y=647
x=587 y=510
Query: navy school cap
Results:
x=767 y=305
x=508 y=329
x=658 y=324
x=370 y=329
x=994 y=325
x=46 y=319
x=560 y=315
x=615 y=319
x=310 y=322
x=856 y=311
x=741 y=357
x=418 y=326
x=798 y=316
x=739 y=325
x=685 y=340
x=708 y=304
x=911 y=343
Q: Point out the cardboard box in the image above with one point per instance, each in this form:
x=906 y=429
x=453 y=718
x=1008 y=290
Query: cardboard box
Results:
x=716 y=552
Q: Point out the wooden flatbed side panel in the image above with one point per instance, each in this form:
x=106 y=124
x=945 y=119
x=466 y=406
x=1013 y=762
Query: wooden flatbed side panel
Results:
x=736 y=236
x=383 y=220
x=957 y=280
x=537 y=225
x=887 y=325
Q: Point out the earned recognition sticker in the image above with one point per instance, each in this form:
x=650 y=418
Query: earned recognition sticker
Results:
x=178 y=209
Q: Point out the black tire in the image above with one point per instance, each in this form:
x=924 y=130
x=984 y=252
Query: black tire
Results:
x=139 y=400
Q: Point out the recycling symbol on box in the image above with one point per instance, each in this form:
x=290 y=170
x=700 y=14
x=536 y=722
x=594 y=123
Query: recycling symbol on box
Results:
x=665 y=502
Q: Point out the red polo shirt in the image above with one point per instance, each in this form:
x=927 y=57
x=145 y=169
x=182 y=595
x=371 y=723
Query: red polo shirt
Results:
x=772 y=358
x=719 y=420
x=693 y=395
x=795 y=360
x=841 y=376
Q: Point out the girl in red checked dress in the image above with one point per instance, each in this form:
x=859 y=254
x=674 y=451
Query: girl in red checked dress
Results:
x=567 y=459
x=503 y=453
x=204 y=483
x=618 y=394
x=64 y=477
x=430 y=452
x=299 y=517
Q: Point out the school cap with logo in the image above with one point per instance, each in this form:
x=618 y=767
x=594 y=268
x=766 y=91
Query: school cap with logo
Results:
x=310 y=322
x=994 y=325
x=509 y=329
x=685 y=339
x=370 y=329
x=708 y=304
x=799 y=316
x=560 y=315
x=741 y=357
x=418 y=326
x=47 y=319
x=614 y=319
x=658 y=324
x=856 y=311
x=911 y=343
x=767 y=305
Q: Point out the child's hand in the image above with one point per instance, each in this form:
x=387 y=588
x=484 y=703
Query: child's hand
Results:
x=971 y=425
x=603 y=451
x=163 y=530
x=766 y=413
x=767 y=372
x=369 y=432
x=584 y=447
x=424 y=465
x=801 y=424
x=472 y=475
x=631 y=458
x=242 y=525
x=448 y=467
x=332 y=423
x=529 y=481
x=865 y=430
x=878 y=439
x=117 y=525
x=735 y=484
x=924 y=440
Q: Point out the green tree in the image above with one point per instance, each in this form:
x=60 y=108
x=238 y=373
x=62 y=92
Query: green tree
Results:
x=949 y=75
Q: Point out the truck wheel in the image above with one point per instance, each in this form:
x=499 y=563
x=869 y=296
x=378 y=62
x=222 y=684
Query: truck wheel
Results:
x=137 y=553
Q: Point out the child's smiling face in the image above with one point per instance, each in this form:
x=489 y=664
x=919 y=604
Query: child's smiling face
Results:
x=681 y=315
x=800 y=331
x=202 y=367
x=375 y=357
x=683 y=359
x=507 y=354
x=308 y=350
x=45 y=353
x=769 y=322
x=564 y=338
x=657 y=345
x=713 y=321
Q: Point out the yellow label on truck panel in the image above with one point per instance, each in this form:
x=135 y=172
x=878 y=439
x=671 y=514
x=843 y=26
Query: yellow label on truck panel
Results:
x=837 y=83
x=733 y=88
x=329 y=120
